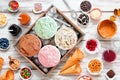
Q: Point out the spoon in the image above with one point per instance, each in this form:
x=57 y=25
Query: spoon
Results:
x=53 y=13
x=73 y=12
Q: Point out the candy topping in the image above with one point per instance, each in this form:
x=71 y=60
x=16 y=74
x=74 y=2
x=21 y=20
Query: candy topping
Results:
x=25 y=73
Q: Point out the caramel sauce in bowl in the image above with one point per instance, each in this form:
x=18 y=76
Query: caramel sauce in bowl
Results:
x=107 y=29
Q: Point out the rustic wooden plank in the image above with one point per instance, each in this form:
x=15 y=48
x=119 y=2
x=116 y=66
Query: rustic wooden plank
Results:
x=105 y=5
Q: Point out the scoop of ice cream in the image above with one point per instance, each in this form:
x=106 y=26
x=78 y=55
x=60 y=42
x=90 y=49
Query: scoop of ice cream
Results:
x=49 y=56
x=65 y=38
x=29 y=45
x=46 y=27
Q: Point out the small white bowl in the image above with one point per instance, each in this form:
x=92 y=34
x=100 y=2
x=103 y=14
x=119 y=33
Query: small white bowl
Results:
x=13 y=10
x=110 y=78
x=40 y=5
x=96 y=49
x=7 y=47
x=5 y=22
x=96 y=72
x=82 y=77
x=22 y=77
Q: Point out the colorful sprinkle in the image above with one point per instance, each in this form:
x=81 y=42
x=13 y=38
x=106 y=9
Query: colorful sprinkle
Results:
x=25 y=73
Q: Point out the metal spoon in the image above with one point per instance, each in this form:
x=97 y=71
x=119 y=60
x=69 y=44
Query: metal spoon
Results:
x=53 y=13
x=73 y=12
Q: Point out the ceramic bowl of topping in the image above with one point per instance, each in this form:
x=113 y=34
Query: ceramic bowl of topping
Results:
x=84 y=77
x=24 y=18
x=14 y=30
x=14 y=63
x=92 y=46
x=95 y=66
x=85 y=6
x=107 y=29
x=95 y=13
x=109 y=55
x=83 y=19
x=37 y=8
x=110 y=75
x=13 y=6
x=25 y=73
x=4 y=44
x=3 y=20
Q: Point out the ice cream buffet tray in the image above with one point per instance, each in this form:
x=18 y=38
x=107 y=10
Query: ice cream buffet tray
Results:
x=28 y=46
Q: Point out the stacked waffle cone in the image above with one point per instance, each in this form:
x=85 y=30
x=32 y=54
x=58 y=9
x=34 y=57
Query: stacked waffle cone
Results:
x=1 y=62
x=8 y=75
x=72 y=65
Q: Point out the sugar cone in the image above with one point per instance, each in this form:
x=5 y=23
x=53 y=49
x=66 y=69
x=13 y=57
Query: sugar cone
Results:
x=8 y=75
x=73 y=59
x=3 y=76
x=1 y=62
x=70 y=62
x=78 y=54
x=75 y=69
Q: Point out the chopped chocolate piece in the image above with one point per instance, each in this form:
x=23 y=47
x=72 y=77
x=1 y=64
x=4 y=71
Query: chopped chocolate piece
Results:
x=110 y=73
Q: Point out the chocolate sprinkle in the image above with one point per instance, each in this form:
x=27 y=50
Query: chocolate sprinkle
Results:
x=85 y=6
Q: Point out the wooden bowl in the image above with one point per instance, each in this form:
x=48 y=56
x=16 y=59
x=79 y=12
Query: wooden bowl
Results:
x=107 y=28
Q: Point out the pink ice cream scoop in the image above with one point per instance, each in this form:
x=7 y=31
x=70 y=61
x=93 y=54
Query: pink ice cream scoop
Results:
x=49 y=56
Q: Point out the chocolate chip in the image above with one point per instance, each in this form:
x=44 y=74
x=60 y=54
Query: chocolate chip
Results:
x=85 y=6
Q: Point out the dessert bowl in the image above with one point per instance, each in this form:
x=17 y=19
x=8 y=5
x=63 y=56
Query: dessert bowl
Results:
x=85 y=6
x=25 y=73
x=92 y=46
x=109 y=55
x=95 y=66
x=95 y=13
x=107 y=29
x=84 y=77
x=14 y=63
x=13 y=6
x=3 y=20
x=4 y=44
x=110 y=75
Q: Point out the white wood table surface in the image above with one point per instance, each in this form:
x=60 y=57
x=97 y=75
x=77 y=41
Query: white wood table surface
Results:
x=107 y=7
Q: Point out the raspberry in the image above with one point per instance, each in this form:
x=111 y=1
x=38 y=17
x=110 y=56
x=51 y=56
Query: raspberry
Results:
x=91 y=45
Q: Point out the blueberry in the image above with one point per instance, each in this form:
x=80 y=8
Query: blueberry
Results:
x=4 y=43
